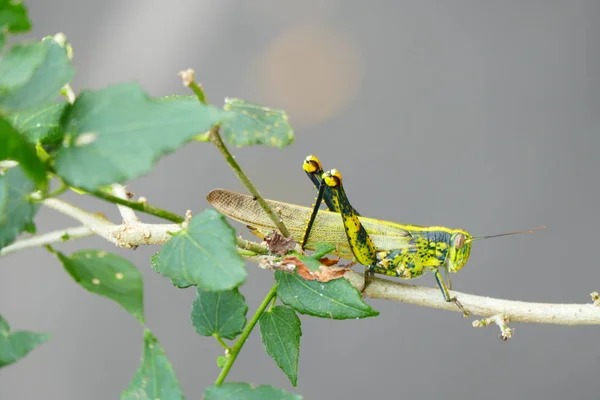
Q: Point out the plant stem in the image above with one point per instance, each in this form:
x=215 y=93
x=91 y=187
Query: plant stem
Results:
x=248 y=245
x=221 y=342
x=138 y=205
x=235 y=350
x=216 y=139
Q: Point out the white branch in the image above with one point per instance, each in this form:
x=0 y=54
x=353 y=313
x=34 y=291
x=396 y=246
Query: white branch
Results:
x=514 y=311
x=124 y=235
x=127 y=213
x=48 y=238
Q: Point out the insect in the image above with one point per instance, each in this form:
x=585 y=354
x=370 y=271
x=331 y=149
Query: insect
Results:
x=384 y=247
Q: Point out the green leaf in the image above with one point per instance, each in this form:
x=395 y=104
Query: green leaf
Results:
x=204 y=254
x=219 y=313
x=177 y=282
x=155 y=379
x=221 y=361
x=16 y=345
x=37 y=82
x=253 y=124
x=246 y=391
x=15 y=147
x=336 y=299
x=108 y=275
x=322 y=249
x=16 y=211
x=118 y=133
x=40 y=124
x=13 y=17
x=280 y=332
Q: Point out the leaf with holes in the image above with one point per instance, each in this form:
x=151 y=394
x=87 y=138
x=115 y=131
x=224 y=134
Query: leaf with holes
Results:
x=336 y=299
x=246 y=391
x=280 y=332
x=204 y=254
x=16 y=345
x=16 y=210
x=155 y=379
x=108 y=275
x=118 y=133
x=253 y=124
x=219 y=313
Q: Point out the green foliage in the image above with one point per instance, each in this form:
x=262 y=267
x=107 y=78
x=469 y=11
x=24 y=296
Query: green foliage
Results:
x=155 y=379
x=336 y=299
x=204 y=254
x=16 y=210
x=37 y=73
x=222 y=314
x=280 y=332
x=245 y=391
x=40 y=124
x=16 y=345
x=108 y=275
x=253 y=124
x=13 y=19
x=118 y=133
x=13 y=146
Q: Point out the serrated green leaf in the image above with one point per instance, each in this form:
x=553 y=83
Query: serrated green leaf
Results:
x=40 y=124
x=246 y=391
x=177 y=282
x=253 y=124
x=280 y=333
x=204 y=254
x=155 y=379
x=108 y=275
x=16 y=211
x=13 y=17
x=19 y=64
x=219 y=313
x=15 y=147
x=336 y=299
x=16 y=345
x=118 y=133
x=41 y=86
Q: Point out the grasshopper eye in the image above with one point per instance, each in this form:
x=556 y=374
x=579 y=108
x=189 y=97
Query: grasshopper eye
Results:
x=459 y=241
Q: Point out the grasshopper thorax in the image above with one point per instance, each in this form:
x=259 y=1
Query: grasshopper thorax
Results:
x=460 y=249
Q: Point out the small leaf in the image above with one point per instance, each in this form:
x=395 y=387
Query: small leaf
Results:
x=322 y=249
x=280 y=332
x=221 y=361
x=16 y=345
x=246 y=391
x=336 y=299
x=13 y=17
x=118 y=133
x=16 y=211
x=40 y=124
x=155 y=379
x=19 y=64
x=204 y=254
x=253 y=124
x=41 y=86
x=219 y=313
x=15 y=147
x=108 y=275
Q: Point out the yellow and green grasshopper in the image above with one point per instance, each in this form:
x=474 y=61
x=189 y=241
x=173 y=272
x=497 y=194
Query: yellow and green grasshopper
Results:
x=384 y=247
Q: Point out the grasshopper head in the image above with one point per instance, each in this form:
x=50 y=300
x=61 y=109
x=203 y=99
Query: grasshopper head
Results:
x=460 y=250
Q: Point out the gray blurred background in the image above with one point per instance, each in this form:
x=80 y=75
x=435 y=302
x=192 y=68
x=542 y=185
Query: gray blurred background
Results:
x=480 y=115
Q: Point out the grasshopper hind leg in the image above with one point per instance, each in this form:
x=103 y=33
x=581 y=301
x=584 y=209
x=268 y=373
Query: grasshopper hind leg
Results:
x=446 y=293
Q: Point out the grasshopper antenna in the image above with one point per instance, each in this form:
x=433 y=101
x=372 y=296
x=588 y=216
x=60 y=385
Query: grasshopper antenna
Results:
x=506 y=234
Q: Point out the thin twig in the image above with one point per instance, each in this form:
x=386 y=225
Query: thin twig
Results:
x=127 y=213
x=61 y=235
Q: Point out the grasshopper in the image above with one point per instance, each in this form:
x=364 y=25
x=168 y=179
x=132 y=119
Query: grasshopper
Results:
x=384 y=247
